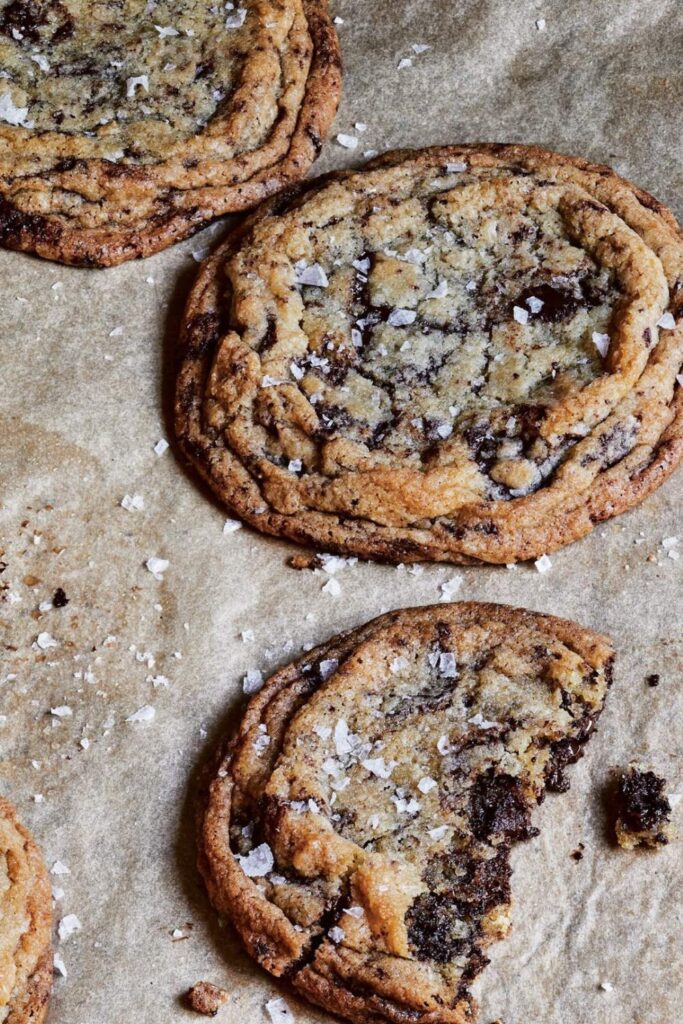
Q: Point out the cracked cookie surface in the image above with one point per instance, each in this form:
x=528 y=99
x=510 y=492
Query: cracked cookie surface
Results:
x=25 y=924
x=453 y=354
x=125 y=127
x=358 y=830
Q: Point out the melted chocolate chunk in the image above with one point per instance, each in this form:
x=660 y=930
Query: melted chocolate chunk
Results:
x=435 y=929
x=564 y=753
x=499 y=808
x=560 y=302
x=642 y=803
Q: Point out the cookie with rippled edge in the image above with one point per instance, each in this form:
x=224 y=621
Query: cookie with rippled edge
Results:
x=127 y=127
x=463 y=354
x=358 y=830
x=25 y=924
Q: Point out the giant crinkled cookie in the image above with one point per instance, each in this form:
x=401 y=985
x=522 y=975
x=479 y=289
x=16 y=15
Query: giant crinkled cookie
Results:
x=25 y=924
x=456 y=354
x=358 y=831
x=126 y=126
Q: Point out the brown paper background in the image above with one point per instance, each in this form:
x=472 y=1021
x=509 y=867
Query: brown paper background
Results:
x=80 y=412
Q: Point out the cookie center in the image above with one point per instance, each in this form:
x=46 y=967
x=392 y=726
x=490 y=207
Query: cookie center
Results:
x=124 y=73
x=461 y=316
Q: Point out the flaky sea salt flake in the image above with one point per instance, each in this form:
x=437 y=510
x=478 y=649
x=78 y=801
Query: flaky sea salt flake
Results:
x=258 y=863
x=601 y=342
x=543 y=564
x=347 y=141
x=157 y=567
x=144 y=714
x=279 y=1012
x=141 y=81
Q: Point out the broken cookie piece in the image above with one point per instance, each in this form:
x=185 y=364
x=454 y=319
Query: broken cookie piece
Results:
x=644 y=812
x=206 y=998
x=358 y=832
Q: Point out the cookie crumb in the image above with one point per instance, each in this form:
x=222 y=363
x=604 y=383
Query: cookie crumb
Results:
x=643 y=817
x=305 y=560
x=206 y=998
x=652 y=679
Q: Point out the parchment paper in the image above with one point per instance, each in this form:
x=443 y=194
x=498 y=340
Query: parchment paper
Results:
x=85 y=384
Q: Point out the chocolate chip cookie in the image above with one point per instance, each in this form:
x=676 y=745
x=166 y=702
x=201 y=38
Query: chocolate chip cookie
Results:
x=124 y=127
x=455 y=354
x=25 y=924
x=358 y=830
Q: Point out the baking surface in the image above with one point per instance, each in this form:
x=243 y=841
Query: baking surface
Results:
x=86 y=372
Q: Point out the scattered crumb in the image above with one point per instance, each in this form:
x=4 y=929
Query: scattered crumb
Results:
x=206 y=998
x=643 y=810
x=305 y=560
x=652 y=679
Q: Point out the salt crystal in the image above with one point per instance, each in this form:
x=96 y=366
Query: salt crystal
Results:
x=46 y=640
x=161 y=446
x=426 y=785
x=133 y=502
x=63 y=711
x=543 y=564
x=312 y=275
x=405 y=62
x=520 y=315
x=236 y=20
x=133 y=83
x=157 y=567
x=447 y=667
x=58 y=868
x=456 y=167
x=443 y=746
x=165 y=30
x=42 y=62
x=601 y=342
x=67 y=926
x=440 y=291
x=10 y=113
x=144 y=714
x=332 y=587
x=438 y=833
x=450 y=588
x=59 y=966
x=337 y=934
x=379 y=767
x=279 y=1012
x=253 y=681
x=327 y=667
x=401 y=317
x=258 y=863
x=481 y=722
x=347 y=141
x=534 y=304
x=667 y=322
x=231 y=526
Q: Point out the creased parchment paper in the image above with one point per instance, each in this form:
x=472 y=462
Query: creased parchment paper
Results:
x=85 y=386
